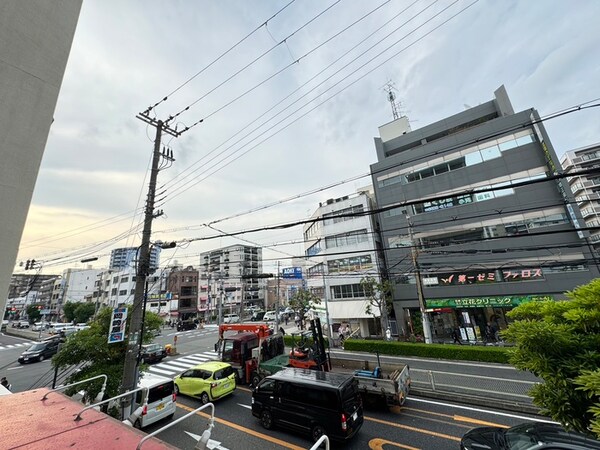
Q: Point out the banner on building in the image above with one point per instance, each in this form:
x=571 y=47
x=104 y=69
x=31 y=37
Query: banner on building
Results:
x=118 y=321
x=292 y=272
x=506 y=301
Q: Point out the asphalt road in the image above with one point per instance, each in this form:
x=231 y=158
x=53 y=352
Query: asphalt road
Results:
x=419 y=424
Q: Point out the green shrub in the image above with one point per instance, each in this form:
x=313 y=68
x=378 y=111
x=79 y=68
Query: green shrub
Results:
x=438 y=351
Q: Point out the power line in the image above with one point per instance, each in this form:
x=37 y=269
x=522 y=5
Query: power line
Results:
x=263 y=24
x=247 y=65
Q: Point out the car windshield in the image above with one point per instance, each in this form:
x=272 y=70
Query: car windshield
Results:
x=36 y=347
x=151 y=347
x=521 y=436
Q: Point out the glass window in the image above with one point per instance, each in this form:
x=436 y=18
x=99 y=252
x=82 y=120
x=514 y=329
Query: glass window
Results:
x=442 y=168
x=507 y=145
x=457 y=164
x=473 y=158
x=413 y=177
x=427 y=173
x=523 y=140
x=490 y=153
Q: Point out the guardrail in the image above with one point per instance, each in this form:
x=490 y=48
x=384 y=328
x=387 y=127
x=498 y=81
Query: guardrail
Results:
x=483 y=386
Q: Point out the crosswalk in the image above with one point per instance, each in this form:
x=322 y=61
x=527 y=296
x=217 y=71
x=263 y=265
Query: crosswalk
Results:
x=20 y=344
x=174 y=366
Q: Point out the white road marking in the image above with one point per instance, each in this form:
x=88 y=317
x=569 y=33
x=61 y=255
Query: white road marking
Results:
x=468 y=408
x=245 y=406
x=182 y=364
x=14 y=368
x=187 y=359
x=197 y=359
x=164 y=372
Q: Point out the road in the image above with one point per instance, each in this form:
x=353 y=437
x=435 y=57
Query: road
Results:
x=419 y=424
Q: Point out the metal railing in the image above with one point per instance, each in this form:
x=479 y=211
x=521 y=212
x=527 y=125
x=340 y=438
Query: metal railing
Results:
x=124 y=394
x=203 y=442
x=62 y=388
x=459 y=383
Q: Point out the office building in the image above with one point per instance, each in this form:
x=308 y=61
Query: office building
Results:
x=469 y=212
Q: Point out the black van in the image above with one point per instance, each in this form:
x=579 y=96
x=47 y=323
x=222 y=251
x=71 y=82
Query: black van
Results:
x=311 y=402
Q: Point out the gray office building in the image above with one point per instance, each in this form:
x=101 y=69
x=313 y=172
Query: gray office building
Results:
x=457 y=223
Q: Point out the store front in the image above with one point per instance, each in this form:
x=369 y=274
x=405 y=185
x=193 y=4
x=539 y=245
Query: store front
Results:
x=476 y=319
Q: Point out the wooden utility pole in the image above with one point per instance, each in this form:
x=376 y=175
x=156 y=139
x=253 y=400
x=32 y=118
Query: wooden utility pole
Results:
x=134 y=336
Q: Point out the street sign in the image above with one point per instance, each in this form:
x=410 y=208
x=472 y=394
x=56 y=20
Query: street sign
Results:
x=117 y=325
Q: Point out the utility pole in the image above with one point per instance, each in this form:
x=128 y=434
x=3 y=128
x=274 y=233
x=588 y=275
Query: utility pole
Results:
x=419 y=282
x=329 y=326
x=130 y=375
x=221 y=300
x=277 y=301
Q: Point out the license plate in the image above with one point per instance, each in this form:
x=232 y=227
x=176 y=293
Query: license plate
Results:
x=26 y=359
x=161 y=406
x=355 y=416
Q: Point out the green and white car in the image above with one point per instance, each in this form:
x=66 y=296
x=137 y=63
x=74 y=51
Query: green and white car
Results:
x=207 y=381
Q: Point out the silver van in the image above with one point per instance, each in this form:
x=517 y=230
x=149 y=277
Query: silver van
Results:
x=161 y=399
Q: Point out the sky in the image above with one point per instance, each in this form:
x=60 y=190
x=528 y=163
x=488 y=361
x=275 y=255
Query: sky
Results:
x=291 y=94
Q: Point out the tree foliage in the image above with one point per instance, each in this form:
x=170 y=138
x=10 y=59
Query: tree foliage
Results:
x=559 y=341
x=78 y=312
x=33 y=313
x=90 y=348
x=379 y=296
x=302 y=301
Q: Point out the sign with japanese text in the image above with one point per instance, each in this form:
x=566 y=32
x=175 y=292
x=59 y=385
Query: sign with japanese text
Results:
x=489 y=276
x=118 y=320
x=507 y=301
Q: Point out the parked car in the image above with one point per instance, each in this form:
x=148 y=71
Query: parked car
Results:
x=311 y=402
x=40 y=326
x=39 y=351
x=231 y=318
x=20 y=324
x=68 y=331
x=207 y=381
x=185 y=325
x=527 y=436
x=269 y=316
x=257 y=316
x=153 y=353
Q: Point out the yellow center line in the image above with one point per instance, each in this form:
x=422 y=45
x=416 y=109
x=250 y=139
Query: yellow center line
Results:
x=244 y=429
x=458 y=418
x=377 y=444
x=431 y=419
x=418 y=430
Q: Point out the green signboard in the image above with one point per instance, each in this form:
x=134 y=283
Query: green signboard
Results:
x=506 y=301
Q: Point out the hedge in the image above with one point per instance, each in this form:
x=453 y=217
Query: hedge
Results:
x=441 y=351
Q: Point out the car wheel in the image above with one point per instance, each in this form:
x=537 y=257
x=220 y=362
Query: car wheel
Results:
x=255 y=379
x=176 y=389
x=204 y=398
x=316 y=432
x=41 y=358
x=266 y=419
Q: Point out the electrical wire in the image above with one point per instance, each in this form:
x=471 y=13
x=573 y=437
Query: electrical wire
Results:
x=263 y=24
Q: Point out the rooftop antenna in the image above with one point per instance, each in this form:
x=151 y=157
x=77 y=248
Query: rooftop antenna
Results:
x=389 y=88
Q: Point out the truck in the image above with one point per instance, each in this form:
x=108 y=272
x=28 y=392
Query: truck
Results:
x=256 y=352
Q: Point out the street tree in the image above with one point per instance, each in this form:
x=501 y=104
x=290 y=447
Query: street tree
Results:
x=303 y=301
x=379 y=296
x=89 y=349
x=559 y=341
x=68 y=310
x=33 y=312
x=83 y=312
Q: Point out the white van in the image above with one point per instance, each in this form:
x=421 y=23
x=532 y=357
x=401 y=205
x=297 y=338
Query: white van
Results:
x=161 y=399
x=55 y=328
x=269 y=316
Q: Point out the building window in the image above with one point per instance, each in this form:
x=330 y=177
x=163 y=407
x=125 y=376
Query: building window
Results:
x=468 y=157
x=123 y=292
x=353 y=264
x=347 y=291
x=124 y=279
x=346 y=239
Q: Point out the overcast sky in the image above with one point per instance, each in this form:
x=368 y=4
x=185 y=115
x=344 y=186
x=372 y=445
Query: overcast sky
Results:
x=127 y=55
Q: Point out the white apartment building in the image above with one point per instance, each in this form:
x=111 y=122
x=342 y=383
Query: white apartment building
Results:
x=586 y=188
x=340 y=252
x=221 y=273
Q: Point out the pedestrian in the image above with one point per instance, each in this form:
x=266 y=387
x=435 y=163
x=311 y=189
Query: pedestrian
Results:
x=297 y=320
x=456 y=337
x=287 y=316
x=4 y=382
